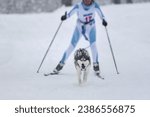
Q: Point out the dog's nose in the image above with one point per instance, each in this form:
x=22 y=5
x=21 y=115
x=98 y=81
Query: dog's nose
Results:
x=83 y=66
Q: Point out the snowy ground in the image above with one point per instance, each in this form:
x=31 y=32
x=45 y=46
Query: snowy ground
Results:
x=24 y=40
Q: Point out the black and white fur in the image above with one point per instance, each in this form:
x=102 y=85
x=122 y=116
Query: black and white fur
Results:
x=82 y=63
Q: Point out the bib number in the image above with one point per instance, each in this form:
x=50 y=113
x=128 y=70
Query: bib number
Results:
x=88 y=18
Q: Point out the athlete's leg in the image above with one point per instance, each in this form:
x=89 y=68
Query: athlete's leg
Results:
x=74 y=41
x=72 y=45
x=92 y=36
x=92 y=39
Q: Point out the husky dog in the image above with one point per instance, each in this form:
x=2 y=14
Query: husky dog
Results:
x=82 y=63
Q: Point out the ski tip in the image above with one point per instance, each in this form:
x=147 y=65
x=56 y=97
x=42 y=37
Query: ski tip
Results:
x=99 y=76
x=102 y=78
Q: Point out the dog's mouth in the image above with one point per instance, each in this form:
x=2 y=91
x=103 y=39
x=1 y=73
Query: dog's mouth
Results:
x=83 y=67
x=83 y=64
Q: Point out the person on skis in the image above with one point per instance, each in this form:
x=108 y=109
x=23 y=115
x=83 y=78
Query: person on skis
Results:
x=85 y=27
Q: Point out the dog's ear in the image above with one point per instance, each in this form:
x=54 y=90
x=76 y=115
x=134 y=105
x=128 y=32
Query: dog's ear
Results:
x=77 y=54
x=85 y=52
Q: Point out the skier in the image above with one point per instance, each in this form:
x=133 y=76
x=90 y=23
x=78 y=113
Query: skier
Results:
x=85 y=27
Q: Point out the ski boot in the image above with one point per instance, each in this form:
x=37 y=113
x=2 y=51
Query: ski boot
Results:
x=58 y=68
x=96 y=68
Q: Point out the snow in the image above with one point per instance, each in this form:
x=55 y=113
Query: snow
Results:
x=24 y=40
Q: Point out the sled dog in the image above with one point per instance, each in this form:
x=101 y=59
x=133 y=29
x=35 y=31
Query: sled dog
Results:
x=82 y=63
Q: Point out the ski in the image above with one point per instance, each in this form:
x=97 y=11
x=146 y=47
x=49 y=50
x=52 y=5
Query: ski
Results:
x=52 y=73
x=57 y=73
x=99 y=76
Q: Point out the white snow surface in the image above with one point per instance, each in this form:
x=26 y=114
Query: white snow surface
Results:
x=24 y=40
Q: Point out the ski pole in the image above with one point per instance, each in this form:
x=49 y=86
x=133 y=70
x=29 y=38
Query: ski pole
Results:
x=49 y=46
x=112 y=51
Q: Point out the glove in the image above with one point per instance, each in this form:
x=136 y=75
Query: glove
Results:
x=104 y=23
x=64 y=17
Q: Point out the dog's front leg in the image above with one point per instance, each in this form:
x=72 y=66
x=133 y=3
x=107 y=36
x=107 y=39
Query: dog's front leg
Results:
x=79 y=74
x=86 y=72
x=85 y=76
